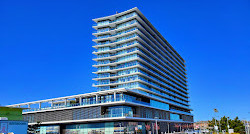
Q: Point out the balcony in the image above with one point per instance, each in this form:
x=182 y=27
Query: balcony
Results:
x=124 y=99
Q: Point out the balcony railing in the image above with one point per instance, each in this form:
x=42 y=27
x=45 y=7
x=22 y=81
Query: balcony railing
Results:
x=86 y=104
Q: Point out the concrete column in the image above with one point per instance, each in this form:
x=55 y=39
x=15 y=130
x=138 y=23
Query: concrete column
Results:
x=40 y=105
x=52 y=103
x=28 y=105
x=114 y=96
x=96 y=99
x=65 y=102
x=80 y=101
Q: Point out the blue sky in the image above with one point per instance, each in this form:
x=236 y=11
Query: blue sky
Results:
x=46 y=48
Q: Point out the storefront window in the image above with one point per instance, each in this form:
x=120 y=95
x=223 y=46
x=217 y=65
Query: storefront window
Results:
x=106 y=128
x=50 y=130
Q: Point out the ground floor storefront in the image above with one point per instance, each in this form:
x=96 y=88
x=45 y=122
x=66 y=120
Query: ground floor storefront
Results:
x=124 y=127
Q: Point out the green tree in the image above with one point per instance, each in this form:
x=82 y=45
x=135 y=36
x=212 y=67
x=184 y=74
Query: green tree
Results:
x=223 y=123
x=212 y=123
x=235 y=124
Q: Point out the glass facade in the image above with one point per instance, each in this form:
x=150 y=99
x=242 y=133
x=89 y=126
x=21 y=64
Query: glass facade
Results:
x=119 y=111
x=106 y=128
x=132 y=56
x=175 y=117
x=122 y=127
x=159 y=104
x=55 y=129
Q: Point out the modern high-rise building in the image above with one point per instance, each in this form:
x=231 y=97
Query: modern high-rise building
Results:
x=140 y=80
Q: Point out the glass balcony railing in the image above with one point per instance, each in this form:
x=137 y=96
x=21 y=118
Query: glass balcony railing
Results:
x=164 y=62
x=159 y=75
x=180 y=111
x=153 y=66
x=108 y=56
x=125 y=17
x=179 y=61
x=133 y=21
x=167 y=74
x=107 y=49
x=136 y=77
x=120 y=59
x=179 y=72
x=119 y=99
x=119 y=33
x=160 y=98
x=116 y=20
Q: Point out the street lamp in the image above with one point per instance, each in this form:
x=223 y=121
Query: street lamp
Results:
x=156 y=126
x=120 y=127
x=227 y=125
x=168 y=127
x=247 y=126
x=216 y=127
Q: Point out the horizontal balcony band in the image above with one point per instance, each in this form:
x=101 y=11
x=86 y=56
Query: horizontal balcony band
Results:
x=139 y=59
x=143 y=28
x=115 y=23
x=114 y=30
x=133 y=45
x=101 y=104
x=69 y=97
x=152 y=54
x=155 y=35
x=159 y=36
x=168 y=55
x=116 y=70
x=139 y=66
x=147 y=95
x=184 y=88
x=142 y=81
x=97 y=45
x=114 y=51
x=113 y=38
x=135 y=73
x=116 y=56
x=145 y=37
x=164 y=96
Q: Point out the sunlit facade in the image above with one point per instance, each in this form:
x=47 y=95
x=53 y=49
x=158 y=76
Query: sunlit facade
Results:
x=131 y=54
x=139 y=79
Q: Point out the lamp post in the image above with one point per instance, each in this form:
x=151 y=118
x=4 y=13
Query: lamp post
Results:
x=248 y=128
x=227 y=125
x=216 y=127
x=156 y=126
x=219 y=126
x=168 y=128
x=120 y=127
